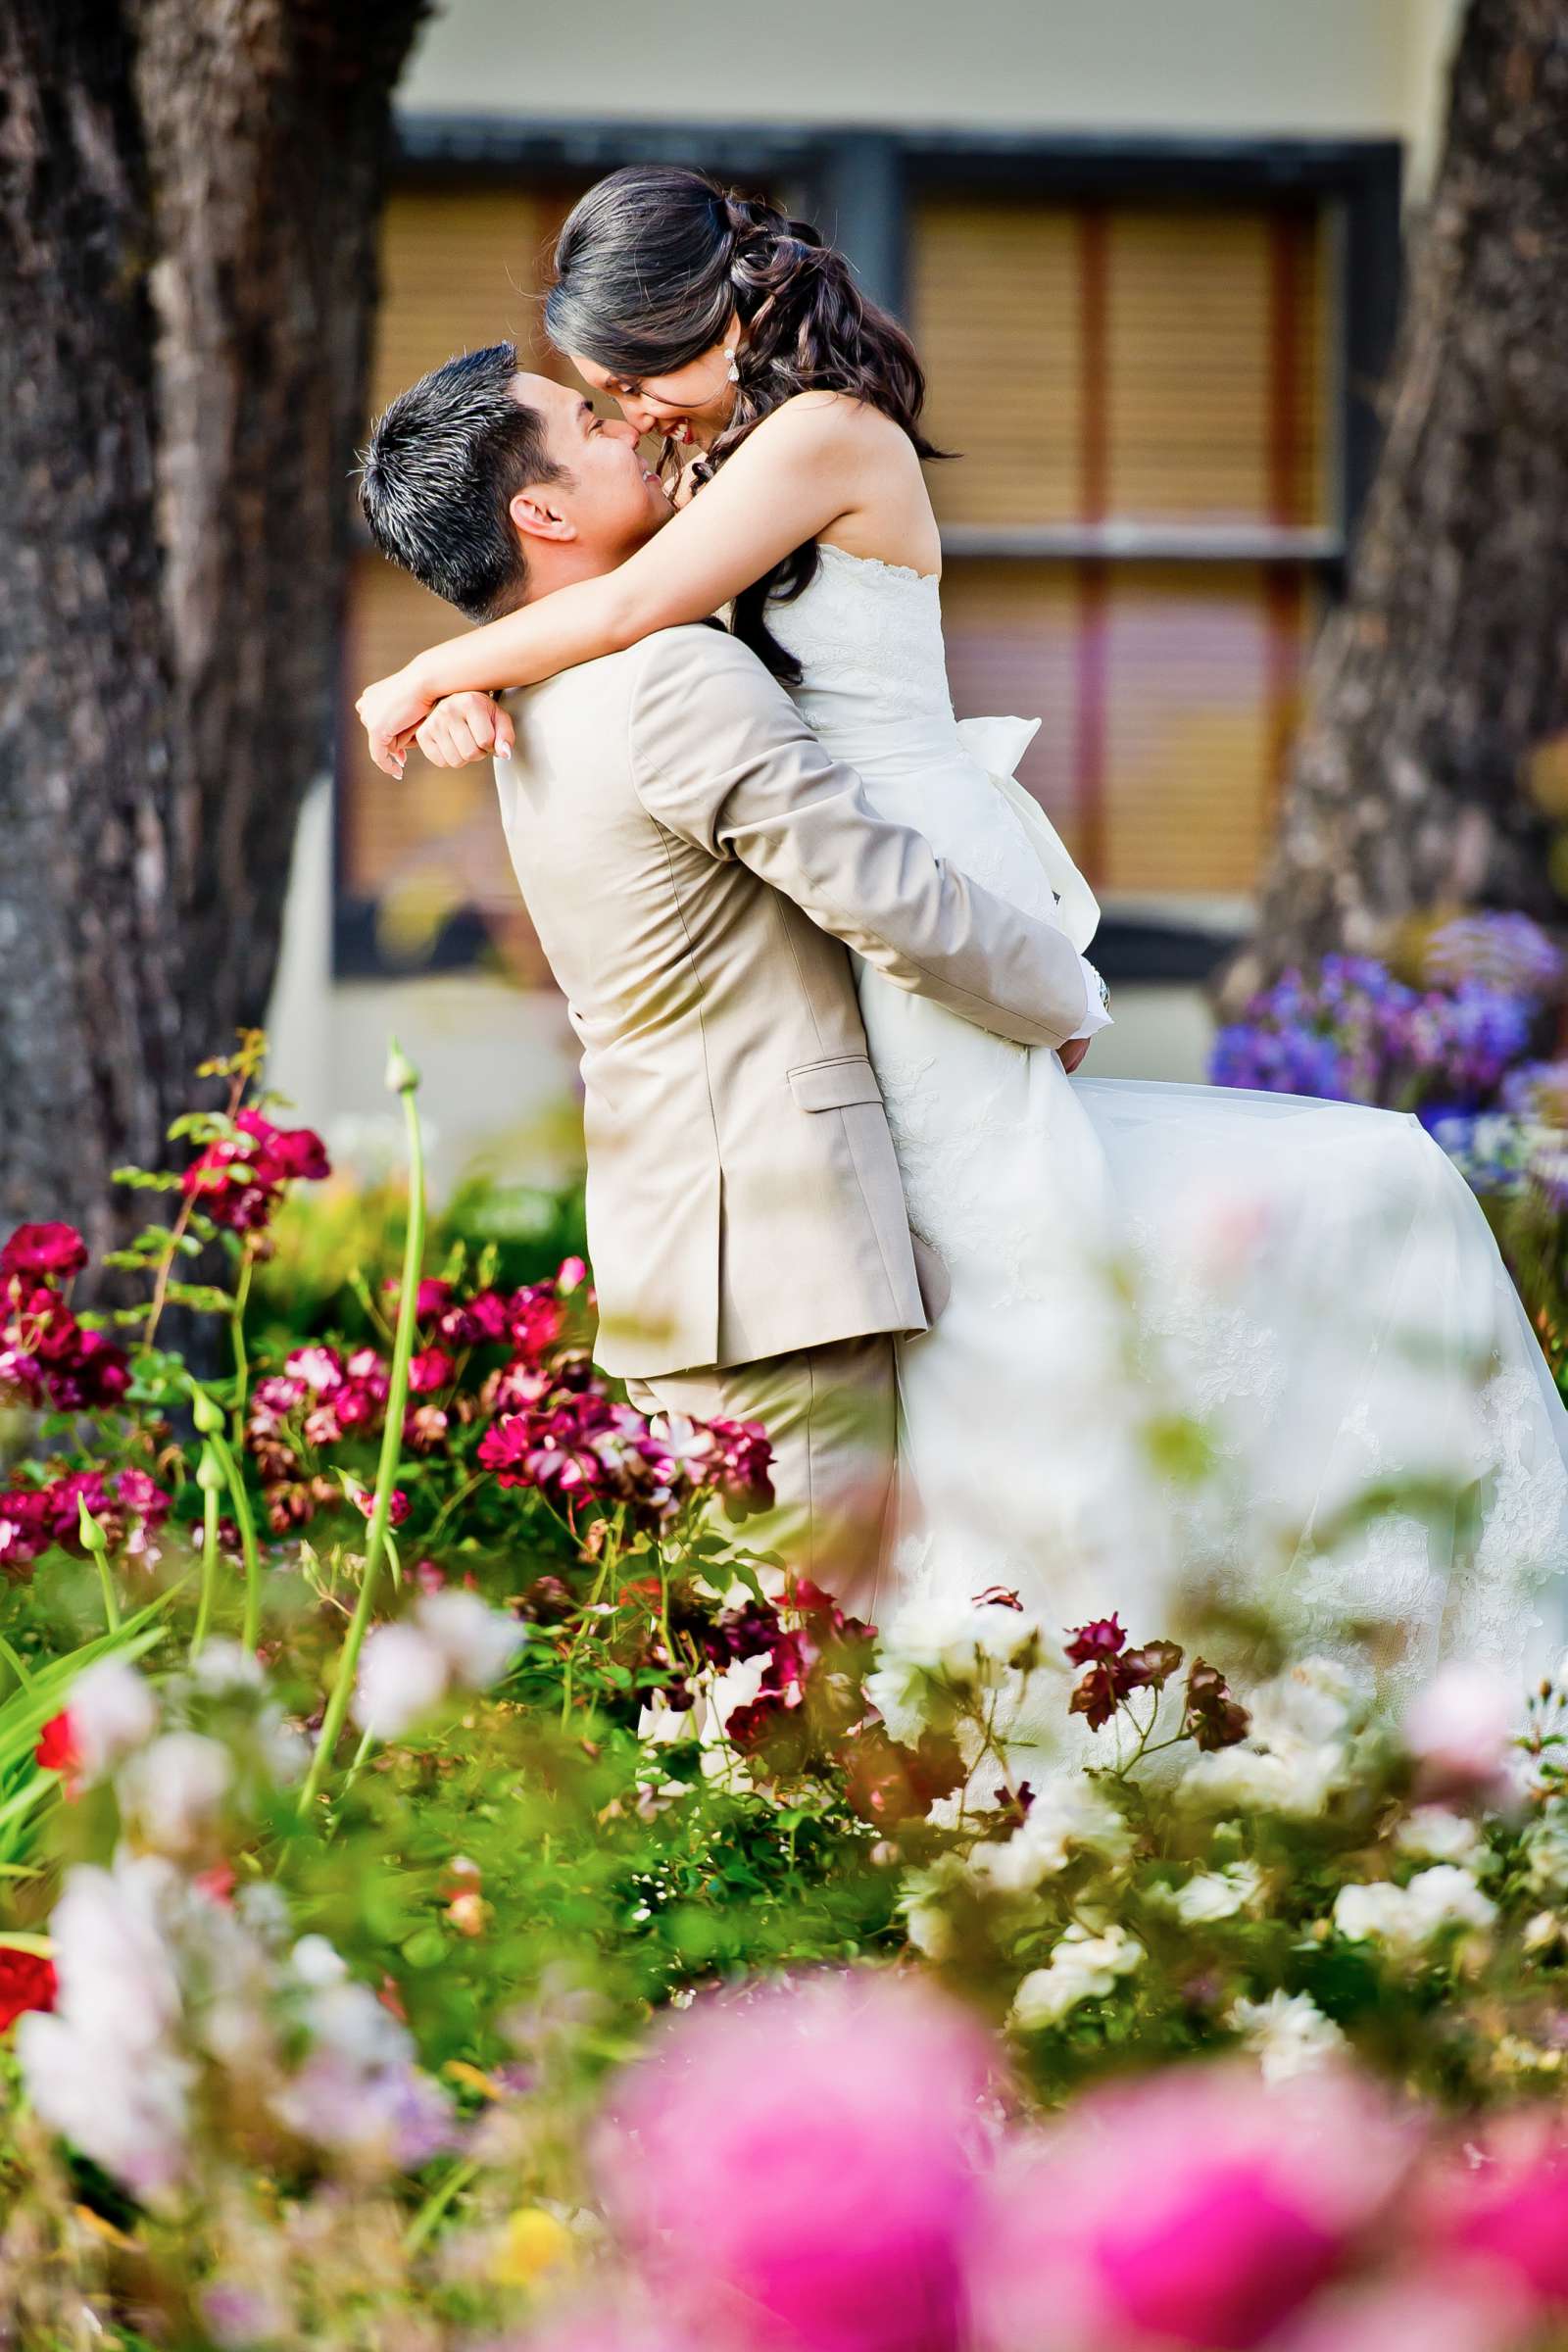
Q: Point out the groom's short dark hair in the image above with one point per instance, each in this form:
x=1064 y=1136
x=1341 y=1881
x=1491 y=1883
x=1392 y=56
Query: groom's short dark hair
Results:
x=441 y=468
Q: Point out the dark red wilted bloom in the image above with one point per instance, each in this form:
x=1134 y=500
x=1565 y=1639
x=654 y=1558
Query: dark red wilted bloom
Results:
x=27 y=1980
x=1102 y=1638
x=887 y=1783
x=1112 y=1670
x=52 y=1251
x=1218 y=1718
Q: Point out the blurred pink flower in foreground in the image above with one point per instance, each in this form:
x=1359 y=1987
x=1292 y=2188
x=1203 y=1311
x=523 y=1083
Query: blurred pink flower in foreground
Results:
x=797 y=2166
x=1459 y=1730
x=1201 y=2208
x=1500 y=2207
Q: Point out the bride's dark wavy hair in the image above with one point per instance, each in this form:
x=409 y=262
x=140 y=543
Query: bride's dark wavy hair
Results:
x=649 y=266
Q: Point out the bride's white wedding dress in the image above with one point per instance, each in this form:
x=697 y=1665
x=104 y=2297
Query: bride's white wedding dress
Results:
x=1198 y=1341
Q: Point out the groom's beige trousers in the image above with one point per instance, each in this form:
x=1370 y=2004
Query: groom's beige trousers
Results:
x=829 y=1413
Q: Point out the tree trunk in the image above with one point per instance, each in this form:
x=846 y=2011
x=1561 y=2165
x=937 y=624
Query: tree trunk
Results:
x=188 y=202
x=1424 y=771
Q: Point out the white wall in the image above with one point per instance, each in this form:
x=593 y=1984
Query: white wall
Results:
x=1246 y=67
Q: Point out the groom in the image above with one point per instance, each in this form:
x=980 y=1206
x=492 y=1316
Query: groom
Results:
x=696 y=867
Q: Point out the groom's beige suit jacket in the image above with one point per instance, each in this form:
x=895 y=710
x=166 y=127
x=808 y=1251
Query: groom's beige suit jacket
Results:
x=696 y=867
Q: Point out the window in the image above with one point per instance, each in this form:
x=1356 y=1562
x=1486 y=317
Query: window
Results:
x=1141 y=397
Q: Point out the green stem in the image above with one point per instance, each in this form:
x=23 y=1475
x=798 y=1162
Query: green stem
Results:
x=242 y=1367
x=14 y=1662
x=110 y=1599
x=204 y=1611
x=391 y=1453
x=435 y=2205
x=233 y=1472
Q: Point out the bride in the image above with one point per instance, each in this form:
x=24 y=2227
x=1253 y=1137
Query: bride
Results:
x=1200 y=1346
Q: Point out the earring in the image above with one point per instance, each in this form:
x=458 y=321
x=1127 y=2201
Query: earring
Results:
x=734 y=371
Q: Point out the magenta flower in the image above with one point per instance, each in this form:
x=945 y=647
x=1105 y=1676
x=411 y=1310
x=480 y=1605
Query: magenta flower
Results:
x=240 y=1179
x=429 y=1369
x=1102 y=1637
x=398 y=1507
x=1200 y=2208
x=51 y=1252
x=800 y=2164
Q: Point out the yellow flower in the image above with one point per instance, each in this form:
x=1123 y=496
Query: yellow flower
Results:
x=533 y=2243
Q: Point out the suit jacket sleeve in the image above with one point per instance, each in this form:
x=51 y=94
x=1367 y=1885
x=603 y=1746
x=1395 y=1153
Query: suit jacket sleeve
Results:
x=720 y=757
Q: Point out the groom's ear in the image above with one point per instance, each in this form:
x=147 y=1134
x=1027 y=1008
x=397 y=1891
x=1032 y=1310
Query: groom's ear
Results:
x=538 y=513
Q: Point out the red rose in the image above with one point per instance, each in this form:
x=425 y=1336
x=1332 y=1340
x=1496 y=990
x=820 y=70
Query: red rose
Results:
x=27 y=1980
x=46 y=1250
x=56 y=1750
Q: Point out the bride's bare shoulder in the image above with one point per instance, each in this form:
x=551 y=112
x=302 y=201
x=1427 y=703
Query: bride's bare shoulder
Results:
x=833 y=420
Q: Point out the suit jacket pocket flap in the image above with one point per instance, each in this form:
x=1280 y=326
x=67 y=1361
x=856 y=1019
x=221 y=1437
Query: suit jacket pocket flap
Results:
x=834 y=1084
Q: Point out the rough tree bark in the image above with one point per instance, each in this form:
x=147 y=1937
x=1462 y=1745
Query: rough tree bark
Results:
x=1441 y=682
x=188 y=201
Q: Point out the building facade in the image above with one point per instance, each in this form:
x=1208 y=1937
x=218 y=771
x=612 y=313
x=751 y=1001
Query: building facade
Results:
x=1149 y=253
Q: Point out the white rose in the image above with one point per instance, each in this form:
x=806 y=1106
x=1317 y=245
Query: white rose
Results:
x=175 y=1790
x=1444 y=1898
x=1435 y=1835
x=1546 y=1847
x=402 y=1675
x=1214 y=1894
x=1405 y=1918
x=1314 y=1702
x=660 y=1724
x=105 y=2069
x=923 y=1909
x=1288 y=2033
x=739 y=1686
x=478 y=1642
x=1084 y=1966
x=1373 y=1914
x=112 y=1710
x=1068 y=1815
x=223 y=1666
x=1296 y=1781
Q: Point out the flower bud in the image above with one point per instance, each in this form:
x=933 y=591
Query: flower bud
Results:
x=207 y=1413
x=210 y=1473
x=92 y=1535
x=400 y=1075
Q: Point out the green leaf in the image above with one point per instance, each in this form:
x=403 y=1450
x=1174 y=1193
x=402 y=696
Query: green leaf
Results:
x=202 y=1296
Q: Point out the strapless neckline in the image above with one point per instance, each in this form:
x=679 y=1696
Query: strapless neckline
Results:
x=893 y=571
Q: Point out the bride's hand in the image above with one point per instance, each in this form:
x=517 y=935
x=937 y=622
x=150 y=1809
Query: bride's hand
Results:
x=1073 y=1052
x=390 y=711
x=464 y=727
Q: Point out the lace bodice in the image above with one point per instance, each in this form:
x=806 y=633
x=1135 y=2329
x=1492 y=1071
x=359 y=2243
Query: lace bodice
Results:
x=869 y=638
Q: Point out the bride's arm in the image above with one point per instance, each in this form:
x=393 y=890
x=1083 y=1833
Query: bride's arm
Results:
x=798 y=473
